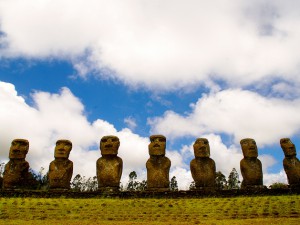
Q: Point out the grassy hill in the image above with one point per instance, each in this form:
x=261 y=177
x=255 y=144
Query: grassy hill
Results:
x=234 y=210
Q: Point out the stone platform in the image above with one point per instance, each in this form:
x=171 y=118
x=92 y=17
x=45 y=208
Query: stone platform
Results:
x=146 y=194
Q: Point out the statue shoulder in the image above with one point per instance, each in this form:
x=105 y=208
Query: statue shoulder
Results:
x=100 y=160
x=167 y=161
x=243 y=162
x=193 y=161
x=119 y=159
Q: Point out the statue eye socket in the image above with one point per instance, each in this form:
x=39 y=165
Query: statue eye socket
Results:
x=206 y=142
x=104 y=140
x=162 y=140
x=114 y=139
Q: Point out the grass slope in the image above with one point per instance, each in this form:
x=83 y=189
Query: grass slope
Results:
x=234 y=210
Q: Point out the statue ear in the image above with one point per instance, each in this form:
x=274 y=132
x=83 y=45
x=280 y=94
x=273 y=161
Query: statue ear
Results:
x=27 y=148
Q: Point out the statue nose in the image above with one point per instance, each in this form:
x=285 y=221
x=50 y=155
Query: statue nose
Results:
x=252 y=145
x=108 y=145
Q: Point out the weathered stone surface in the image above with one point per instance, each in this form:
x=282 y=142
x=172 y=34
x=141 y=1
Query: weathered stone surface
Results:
x=61 y=169
x=291 y=163
x=109 y=166
x=16 y=171
x=203 y=168
x=251 y=167
x=158 y=165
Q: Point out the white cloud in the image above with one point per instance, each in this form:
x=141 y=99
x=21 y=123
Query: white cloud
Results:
x=267 y=162
x=234 y=112
x=159 y=44
x=61 y=116
x=286 y=90
x=183 y=177
x=130 y=122
x=272 y=178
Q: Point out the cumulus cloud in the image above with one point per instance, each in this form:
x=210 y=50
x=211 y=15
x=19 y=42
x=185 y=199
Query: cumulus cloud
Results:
x=130 y=122
x=62 y=116
x=159 y=44
x=235 y=112
x=271 y=178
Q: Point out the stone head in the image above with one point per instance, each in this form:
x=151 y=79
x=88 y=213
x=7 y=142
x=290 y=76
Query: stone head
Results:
x=18 y=149
x=109 y=145
x=201 y=148
x=157 y=146
x=62 y=149
x=288 y=147
x=249 y=148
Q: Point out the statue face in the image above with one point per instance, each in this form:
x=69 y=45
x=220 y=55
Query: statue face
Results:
x=109 y=145
x=249 y=148
x=62 y=149
x=201 y=148
x=157 y=145
x=288 y=147
x=18 y=149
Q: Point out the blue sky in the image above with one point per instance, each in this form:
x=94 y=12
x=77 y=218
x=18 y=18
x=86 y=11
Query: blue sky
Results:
x=186 y=69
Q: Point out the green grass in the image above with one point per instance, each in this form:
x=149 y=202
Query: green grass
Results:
x=234 y=210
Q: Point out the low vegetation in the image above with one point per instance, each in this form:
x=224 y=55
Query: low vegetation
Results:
x=233 y=210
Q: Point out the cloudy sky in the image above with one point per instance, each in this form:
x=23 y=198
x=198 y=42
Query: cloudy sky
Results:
x=82 y=69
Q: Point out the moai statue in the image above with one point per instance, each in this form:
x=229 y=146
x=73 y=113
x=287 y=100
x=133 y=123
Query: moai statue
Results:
x=16 y=171
x=158 y=165
x=61 y=169
x=291 y=163
x=2 y=165
x=251 y=167
x=109 y=166
x=203 y=168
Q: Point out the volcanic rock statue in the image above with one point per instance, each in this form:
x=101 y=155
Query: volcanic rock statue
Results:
x=158 y=165
x=109 y=166
x=250 y=165
x=61 y=169
x=291 y=163
x=16 y=171
x=203 y=168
